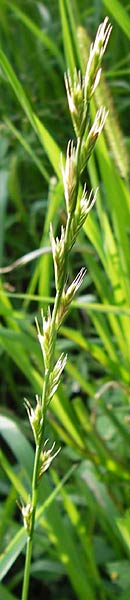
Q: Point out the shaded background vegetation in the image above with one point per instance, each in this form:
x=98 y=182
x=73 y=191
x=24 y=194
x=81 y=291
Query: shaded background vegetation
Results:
x=82 y=541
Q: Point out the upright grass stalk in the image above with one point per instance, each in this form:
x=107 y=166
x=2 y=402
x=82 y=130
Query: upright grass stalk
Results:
x=78 y=205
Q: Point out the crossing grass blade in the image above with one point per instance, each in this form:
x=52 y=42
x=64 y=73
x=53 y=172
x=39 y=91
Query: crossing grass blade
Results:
x=81 y=302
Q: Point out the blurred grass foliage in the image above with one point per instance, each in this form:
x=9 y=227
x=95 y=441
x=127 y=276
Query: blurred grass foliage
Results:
x=82 y=537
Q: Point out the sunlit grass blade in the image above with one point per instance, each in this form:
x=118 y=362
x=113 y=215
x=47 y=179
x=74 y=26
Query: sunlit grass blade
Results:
x=65 y=414
x=119 y=215
x=81 y=302
x=67 y=38
x=123 y=523
x=120 y=14
x=49 y=144
x=95 y=350
x=13 y=550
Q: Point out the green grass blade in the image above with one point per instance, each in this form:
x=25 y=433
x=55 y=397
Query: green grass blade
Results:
x=17 y=442
x=37 y=32
x=15 y=479
x=3 y=201
x=123 y=523
x=120 y=14
x=11 y=553
x=67 y=38
x=81 y=302
x=5 y=594
x=44 y=136
x=20 y=355
x=119 y=214
x=8 y=510
x=49 y=144
x=28 y=149
x=64 y=412
x=82 y=535
x=16 y=545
